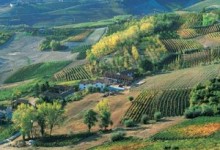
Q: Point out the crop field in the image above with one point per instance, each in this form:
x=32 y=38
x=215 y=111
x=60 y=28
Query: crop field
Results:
x=168 y=102
x=40 y=70
x=195 y=128
x=70 y=74
x=185 y=78
x=80 y=37
x=195 y=32
x=181 y=45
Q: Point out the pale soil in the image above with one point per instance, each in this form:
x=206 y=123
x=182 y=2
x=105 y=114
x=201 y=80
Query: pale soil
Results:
x=119 y=104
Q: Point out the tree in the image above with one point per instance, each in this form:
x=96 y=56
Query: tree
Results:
x=53 y=115
x=104 y=114
x=37 y=89
x=135 y=53
x=55 y=45
x=90 y=118
x=24 y=118
x=41 y=117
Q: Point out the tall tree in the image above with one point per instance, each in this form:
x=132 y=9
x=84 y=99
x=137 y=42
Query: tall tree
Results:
x=104 y=114
x=135 y=53
x=90 y=118
x=41 y=117
x=24 y=118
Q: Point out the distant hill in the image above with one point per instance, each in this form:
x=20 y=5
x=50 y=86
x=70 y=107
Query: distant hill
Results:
x=208 y=4
x=78 y=11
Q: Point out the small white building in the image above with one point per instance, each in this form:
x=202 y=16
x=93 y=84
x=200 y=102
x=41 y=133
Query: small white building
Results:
x=96 y=84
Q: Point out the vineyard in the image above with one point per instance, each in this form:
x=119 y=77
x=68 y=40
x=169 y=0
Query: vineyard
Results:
x=195 y=32
x=185 y=78
x=168 y=102
x=181 y=45
x=69 y=74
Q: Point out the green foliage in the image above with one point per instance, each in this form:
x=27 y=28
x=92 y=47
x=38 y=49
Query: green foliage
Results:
x=4 y=37
x=62 y=140
x=157 y=116
x=41 y=70
x=55 y=45
x=209 y=19
x=7 y=131
x=104 y=114
x=145 y=119
x=130 y=98
x=24 y=118
x=118 y=136
x=204 y=99
x=90 y=118
x=129 y=123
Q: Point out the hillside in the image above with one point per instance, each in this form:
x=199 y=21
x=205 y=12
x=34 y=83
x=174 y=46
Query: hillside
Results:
x=208 y=4
x=60 y=13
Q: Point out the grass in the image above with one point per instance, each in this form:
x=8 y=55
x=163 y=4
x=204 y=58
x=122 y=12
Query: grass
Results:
x=195 y=128
x=203 y=4
x=6 y=131
x=62 y=140
x=41 y=70
x=101 y=23
x=21 y=90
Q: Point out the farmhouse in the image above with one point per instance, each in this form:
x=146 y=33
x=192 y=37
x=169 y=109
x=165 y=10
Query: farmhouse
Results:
x=118 y=78
x=101 y=84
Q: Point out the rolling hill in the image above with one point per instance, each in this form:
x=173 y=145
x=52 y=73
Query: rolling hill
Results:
x=208 y=4
x=82 y=10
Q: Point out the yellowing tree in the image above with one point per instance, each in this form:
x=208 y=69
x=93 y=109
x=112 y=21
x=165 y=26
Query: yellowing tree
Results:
x=135 y=53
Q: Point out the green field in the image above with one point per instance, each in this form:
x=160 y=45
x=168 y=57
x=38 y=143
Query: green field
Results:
x=156 y=143
x=6 y=131
x=41 y=70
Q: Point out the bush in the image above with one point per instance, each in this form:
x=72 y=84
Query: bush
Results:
x=145 y=119
x=130 y=98
x=193 y=112
x=118 y=136
x=207 y=110
x=157 y=116
x=129 y=123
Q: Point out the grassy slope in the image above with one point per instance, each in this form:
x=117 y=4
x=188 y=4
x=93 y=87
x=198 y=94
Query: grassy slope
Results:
x=185 y=78
x=40 y=70
x=203 y=4
x=192 y=144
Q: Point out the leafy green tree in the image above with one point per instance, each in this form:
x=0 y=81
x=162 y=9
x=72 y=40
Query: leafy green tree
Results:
x=104 y=114
x=41 y=117
x=90 y=118
x=53 y=115
x=55 y=45
x=24 y=118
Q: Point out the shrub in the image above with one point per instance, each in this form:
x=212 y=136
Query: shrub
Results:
x=145 y=119
x=157 y=116
x=118 y=136
x=207 y=110
x=130 y=98
x=129 y=123
x=193 y=112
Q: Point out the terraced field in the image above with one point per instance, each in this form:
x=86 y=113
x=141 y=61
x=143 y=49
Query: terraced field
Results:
x=75 y=73
x=168 y=102
x=185 y=78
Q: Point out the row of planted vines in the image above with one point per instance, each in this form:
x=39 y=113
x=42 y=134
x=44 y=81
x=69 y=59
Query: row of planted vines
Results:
x=194 y=32
x=192 y=59
x=181 y=45
x=70 y=74
x=168 y=102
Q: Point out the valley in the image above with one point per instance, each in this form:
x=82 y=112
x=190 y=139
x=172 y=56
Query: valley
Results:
x=109 y=75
